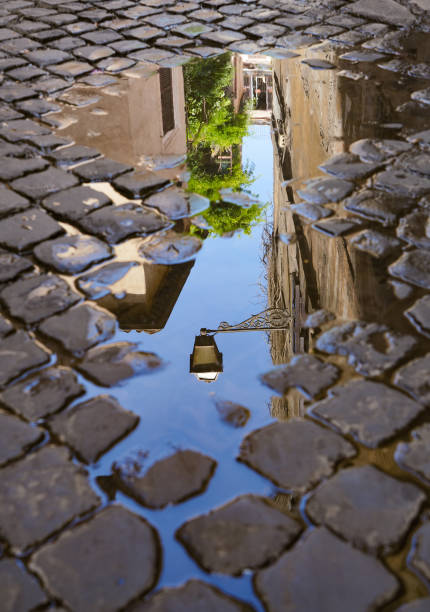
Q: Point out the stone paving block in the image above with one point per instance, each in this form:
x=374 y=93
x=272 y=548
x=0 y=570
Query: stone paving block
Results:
x=412 y=228
x=80 y=327
x=11 y=202
x=115 y=223
x=38 y=296
x=101 y=170
x=366 y=507
x=337 y=226
x=370 y=412
x=246 y=533
x=72 y=254
x=25 y=229
x=305 y=372
x=378 y=149
x=68 y=156
x=110 y=364
x=402 y=182
x=419 y=558
x=171 y=480
x=93 y=427
x=413 y=378
x=375 y=243
x=71 y=69
x=413 y=267
x=321 y=573
x=72 y=204
x=12 y=168
x=387 y=11
x=275 y=451
x=38 y=107
x=43 y=393
x=102 y=564
x=41 y=184
x=102 y=281
x=16 y=437
x=20 y=591
x=313 y=212
x=378 y=206
x=419 y=315
x=415 y=455
x=194 y=595
x=417 y=605
x=60 y=487
x=371 y=348
x=325 y=190
x=13 y=93
x=12 y=265
x=18 y=353
x=47 y=57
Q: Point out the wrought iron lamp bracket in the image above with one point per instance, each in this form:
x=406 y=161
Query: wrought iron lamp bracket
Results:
x=271 y=319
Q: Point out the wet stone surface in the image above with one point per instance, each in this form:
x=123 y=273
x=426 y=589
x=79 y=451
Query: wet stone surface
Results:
x=168 y=481
x=375 y=244
x=297 y=581
x=19 y=353
x=62 y=490
x=231 y=413
x=366 y=507
x=370 y=412
x=419 y=315
x=273 y=451
x=413 y=267
x=413 y=379
x=420 y=554
x=12 y=265
x=246 y=533
x=16 y=437
x=378 y=206
x=98 y=284
x=72 y=204
x=72 y=254
x=415 y=455
x=92 y=427
x=23 y=230
x=20 y=591
x=125 y=542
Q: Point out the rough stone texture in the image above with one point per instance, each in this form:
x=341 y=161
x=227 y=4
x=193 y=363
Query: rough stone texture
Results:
x=72 y=254
x=413 y=378
x=348 y=166
x=414 y=228
x=371 y=348
x=136 y=184
x=419 y=315
x=80 y=327
x=375 y=244
x=16 y=437
x=101 y=170
x=321 y=573
x=20 y=591
x=378 y=206
x=366 y=507
x=419 y=558
x=18 y=353
x=99 y=283
x=403 y=183
x=110 y=364
x=194 y=595
x=5 y=327
x=387 y=11
x=170 y=247
x=12 y=265
x=413 y=267
x=231 y=413
x=418 y=605
x=171 y=480
x=305 y=372
x=115 y=223
x=43 y=393
x=176 y=204
x=314 y=212
x=37 y=297
x=337 y=226
x=60 y=488
x=244 y=534
x=378 y=150
x=11 y=202
x=94 y=426
x=370 y=412
x=23 y=230
x=325 y=190
x=102 y=564
x=41 y=184
x=276 y=451
x=415 y=455
x=72 y=204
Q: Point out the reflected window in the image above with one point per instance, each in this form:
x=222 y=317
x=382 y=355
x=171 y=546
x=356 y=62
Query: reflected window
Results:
x=167 y=109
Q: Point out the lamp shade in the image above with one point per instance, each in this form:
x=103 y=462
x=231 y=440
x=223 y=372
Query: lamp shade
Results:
x=206 y=360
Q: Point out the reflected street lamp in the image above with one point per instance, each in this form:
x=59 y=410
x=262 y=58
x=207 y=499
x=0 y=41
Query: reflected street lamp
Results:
x=206 y=360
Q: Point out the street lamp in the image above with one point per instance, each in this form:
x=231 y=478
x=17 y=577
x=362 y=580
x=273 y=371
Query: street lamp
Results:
x=206 y=360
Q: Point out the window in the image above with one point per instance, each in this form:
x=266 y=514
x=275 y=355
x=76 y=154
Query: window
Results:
x=167 y=110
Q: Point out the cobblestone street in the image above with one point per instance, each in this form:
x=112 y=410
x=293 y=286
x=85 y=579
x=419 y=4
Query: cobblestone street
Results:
x=166 y=497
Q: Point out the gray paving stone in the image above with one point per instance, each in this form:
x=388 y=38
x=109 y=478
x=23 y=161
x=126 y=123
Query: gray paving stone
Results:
x=413 y=267
x=337 y=226
x=23 y=230
x=387 y=11
x=274 y=451
x=169 y=248
x=371 y=348
x=375 y=243
x=80 y=327
x=413 y=378
x=348 y=166
x=115 y=223
x=378 y=206
x=305 y=372
x=369 y=412
x=60 y=487
x=194 y=595
x=110 y=364
x=47 y=57
x=50 y=85
x=93 y=427
x=246 y=533
x=403 y=183
x=121 y=561
x=101 y=37
x=47 y=143
x=93 y=53
x=312 y=212
x=419 y=558
x=43 y=393
x=171 y=480
x=325 y=190
x=231 y=413
x=378 y=149
x=223 y=37
x=37 y=297
x=366 y=507
x=16 y=437
x=101 y=282
x=419 y=315
x=11 y=202
x=414 y=456
x=20 y=591
x=101 y=170
x=412 y=228
x=40 y=185
x=322 y=572
x=417 y=605
x=415 y=162
x=68 y=156
x=12 y=168
x=21 y=129
x=71 y=69
x=38 y=107
x=19 y=353
x=72 y=254
x=72 y=204
x=13 y=93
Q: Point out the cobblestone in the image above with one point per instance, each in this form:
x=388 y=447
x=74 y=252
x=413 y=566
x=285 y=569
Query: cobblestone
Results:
x=415 y=456
x=412 y=378
x=20 y=591
x=16 y=437
x=420 y=554
x=72 y=254
x=19 y=353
